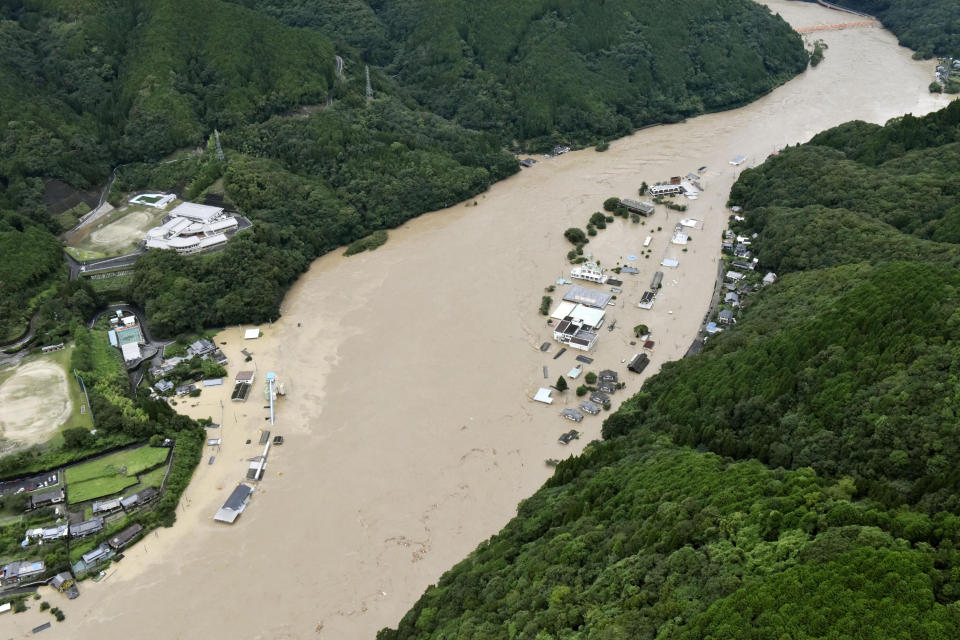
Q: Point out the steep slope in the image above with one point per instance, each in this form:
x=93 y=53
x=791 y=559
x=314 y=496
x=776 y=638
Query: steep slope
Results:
x=550 y=71
x=547 y=71
x=821 y=498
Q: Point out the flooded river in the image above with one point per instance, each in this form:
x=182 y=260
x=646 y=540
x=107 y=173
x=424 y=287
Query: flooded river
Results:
x=410 y=431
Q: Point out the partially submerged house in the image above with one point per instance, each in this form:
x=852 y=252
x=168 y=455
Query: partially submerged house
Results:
x=644 y=208
x=589 y=271
x=638 y=363
x=234 y=505
x=590 y=407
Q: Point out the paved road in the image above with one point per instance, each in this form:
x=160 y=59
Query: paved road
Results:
x=76 y=267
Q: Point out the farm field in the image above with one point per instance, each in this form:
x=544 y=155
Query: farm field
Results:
x=112 y=473
x=153 y=478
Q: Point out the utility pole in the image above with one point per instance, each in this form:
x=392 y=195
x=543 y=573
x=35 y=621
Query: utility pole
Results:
x=369 y=86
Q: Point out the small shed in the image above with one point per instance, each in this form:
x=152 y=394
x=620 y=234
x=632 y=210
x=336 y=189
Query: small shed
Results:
x=251 y=334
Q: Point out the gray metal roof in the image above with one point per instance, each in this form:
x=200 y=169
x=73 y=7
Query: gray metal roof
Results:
x=47 y=496
x=589 y=297
x=86 y=527
x=234 y=505
x=590 y=407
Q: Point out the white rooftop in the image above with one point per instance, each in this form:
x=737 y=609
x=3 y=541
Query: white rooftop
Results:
x=543 y=395
x=131 y=351
x=563 y=310
x=212 y=241
x=196 y=212
x=670 y=262
x=222 y=225
x=588 y=315
x=251 y=334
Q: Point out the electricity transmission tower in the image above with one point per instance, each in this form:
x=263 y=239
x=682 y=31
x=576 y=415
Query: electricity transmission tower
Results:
x=216 y=136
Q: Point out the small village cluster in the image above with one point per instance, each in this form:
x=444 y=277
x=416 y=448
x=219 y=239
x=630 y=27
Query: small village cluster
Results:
x=205 y=350
x=576 y=320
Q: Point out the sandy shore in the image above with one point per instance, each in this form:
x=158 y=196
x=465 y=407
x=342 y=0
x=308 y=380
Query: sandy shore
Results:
x=410 y=433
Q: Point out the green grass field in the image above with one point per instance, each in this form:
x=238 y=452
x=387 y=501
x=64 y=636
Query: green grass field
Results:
x=116 y=282
x=77 y=419
x=153 y=478
x=97 y=487
x=102 y=477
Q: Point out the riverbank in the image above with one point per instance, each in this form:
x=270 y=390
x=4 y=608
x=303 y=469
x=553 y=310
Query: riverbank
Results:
x=410 y=434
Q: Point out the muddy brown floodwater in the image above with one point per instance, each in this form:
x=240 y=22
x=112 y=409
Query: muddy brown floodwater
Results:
x=410 y=432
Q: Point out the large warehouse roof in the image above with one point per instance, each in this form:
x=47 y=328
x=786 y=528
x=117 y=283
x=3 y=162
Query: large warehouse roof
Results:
x=589 y=297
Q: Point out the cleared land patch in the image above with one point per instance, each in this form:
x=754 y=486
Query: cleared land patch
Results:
x=112 y=473
x=120 y=233
x=35 y=401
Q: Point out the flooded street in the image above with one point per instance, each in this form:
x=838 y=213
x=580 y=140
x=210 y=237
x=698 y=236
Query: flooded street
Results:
x=410 y=430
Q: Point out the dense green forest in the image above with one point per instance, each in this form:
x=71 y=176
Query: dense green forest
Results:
x=929 y=27
x=546 y=72
x=794 y=480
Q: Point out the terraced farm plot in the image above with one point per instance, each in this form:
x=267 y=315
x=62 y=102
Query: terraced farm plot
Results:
x=112 y=473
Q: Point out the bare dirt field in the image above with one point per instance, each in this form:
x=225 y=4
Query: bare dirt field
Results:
x=35 y=401
x=119 y=234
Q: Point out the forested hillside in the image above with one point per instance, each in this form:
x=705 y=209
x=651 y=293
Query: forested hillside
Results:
x=930 y=27
x=545 y=72
x=794 y=480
